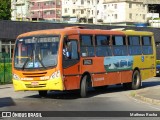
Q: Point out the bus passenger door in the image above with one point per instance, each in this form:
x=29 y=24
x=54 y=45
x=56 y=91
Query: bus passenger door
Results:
x=71 y=68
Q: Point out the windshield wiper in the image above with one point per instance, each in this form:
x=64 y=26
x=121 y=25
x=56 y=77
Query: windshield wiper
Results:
x=27 y=60
x=40 y=61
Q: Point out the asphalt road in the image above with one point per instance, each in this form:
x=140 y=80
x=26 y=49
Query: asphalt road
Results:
x=114 y=98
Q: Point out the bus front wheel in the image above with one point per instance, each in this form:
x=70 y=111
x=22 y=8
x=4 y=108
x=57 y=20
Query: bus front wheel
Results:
x=136 y=80
x=84 y=87
x=42 y=93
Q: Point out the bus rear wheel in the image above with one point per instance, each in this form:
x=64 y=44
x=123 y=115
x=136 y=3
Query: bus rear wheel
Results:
x=84 y=87
x=42 y=93
x=136 y=80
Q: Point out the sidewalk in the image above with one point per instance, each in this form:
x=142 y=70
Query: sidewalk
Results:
x=149 y=94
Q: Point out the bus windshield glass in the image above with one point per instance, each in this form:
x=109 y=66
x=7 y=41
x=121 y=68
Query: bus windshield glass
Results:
x=36 y=52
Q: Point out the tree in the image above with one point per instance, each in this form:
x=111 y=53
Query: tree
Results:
x=5 y=9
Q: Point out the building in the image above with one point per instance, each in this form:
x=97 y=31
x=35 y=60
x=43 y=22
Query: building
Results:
x=82 y=10
x=122 y=11
x=20 y=9
x=106 y=11
x=45 y=10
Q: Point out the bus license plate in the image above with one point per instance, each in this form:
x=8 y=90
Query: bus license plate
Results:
x=34 y=83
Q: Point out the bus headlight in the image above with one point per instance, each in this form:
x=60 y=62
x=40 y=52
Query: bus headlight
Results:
x=55 y=74
x=16 y=77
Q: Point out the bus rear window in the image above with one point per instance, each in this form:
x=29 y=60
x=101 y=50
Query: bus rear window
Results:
x=147 y=45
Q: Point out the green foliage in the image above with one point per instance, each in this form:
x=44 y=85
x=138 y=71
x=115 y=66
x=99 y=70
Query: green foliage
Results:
x=5 y=9
x=5 y=73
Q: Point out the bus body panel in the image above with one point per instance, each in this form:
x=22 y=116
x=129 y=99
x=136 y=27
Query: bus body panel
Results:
x=38 y=80
x=52 y=84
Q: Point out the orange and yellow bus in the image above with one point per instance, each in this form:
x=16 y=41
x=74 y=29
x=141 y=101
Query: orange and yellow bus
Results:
x=78 y=58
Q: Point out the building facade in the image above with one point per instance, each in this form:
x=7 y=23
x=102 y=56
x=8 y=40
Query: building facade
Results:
x=20 y=9
x=123 y=11
x=87 y=11
x=106 y=11
x=45 y=10
x=82 y=10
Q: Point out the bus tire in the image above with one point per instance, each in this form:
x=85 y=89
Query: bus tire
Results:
x=42 y=93
x=136 y=80
x=84 y=87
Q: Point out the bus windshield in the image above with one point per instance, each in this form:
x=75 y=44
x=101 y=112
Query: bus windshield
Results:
x=36 y=52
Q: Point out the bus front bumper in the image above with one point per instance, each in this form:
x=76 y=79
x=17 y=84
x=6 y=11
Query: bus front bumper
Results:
x=52 y=84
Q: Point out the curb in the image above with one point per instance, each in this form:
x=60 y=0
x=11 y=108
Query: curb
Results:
x=145 y=99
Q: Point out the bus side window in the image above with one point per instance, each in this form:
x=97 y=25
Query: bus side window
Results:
x=119 y=46
x=87 y=48
x=103 y=46
x=70 y=49
x=134 y=46
x=147 y=45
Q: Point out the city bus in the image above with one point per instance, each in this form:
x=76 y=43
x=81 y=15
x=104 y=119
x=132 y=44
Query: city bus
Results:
x=77 y=58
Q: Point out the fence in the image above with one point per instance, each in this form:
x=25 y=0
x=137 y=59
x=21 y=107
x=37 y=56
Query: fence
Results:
x=5 y=68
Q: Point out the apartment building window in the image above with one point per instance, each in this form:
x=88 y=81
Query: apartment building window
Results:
x=65 y=10
x=32 y=13
x=32 y=3
x=130 y=5
x=115 y=6
x=58 y=3
x=82 y=11
x=52 y=12
x=130 y=15
x=105 y=6
x=144 y=16
x=48 y=3
x=74 y=11
x=38 y=4
x=82 y=2
x=115 y=16
x=88 y=1
x=47 y=12
x=58 y=12
x=97 y=12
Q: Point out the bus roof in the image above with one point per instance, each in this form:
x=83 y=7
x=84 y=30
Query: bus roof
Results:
x=83 y=30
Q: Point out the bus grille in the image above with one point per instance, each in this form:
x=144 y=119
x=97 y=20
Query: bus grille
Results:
x=39 y=74
x=38 y=86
